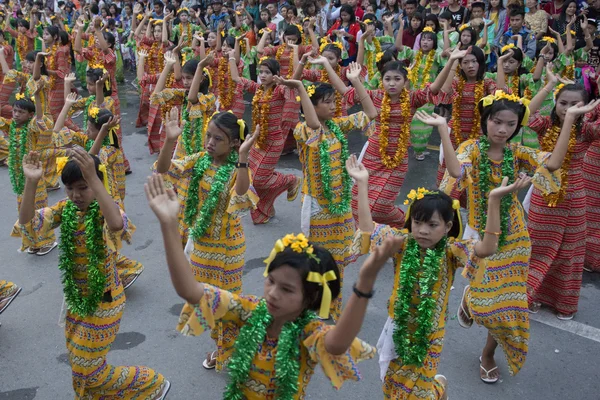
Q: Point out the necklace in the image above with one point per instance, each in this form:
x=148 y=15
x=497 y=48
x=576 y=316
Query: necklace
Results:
x=261 y=105
x=15 y=156
x=325 y=163
x=384 y=123
x=547 y=144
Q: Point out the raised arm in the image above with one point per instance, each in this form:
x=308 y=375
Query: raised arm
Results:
x=3 y=63
x=589 y=43
x=77 y=46
x=198 y=76
x=99 y=35
x=104 y=130
x=173 y=131
x=170 y=61
x=353 y=75
x=100 y=84
x=398 y=43
x=33 y=171
x=541 y=95
x=70 y=99
x=142 y=55
x=452 y=163
x=361 y=176
x=444 y=79
x=310 y=115
x=501 y=76
x=242 y=182
x=334 y=79
x=220 y=34
x=37 y=65
x=260 y=47
x=233 y=69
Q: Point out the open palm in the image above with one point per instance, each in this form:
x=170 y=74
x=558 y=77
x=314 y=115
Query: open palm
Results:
x=161 y=200
x=32 y=166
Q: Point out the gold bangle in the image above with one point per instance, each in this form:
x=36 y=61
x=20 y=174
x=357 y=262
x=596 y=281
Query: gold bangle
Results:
x=493 y=233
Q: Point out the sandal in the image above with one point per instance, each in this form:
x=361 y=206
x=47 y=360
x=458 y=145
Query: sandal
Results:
x=4 y=303
x=487 y=378
x=211 y=360
x=534 y=307
x=441 y=379
x=46 y=249
x=127 y=282
x=165 y=391
x=565 y=317
x=31 y=250
x=420 y=157
x=464 y=319
x=53 y=188
x=293 y=192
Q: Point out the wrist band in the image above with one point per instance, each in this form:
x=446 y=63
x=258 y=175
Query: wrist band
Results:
x=362 y=295
x=493 y=233
x=241 y=165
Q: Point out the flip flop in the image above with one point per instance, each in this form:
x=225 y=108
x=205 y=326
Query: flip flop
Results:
x=462 y=321
x=128 y=284
x=205 y=363
x=10 y=299
x=46 y=249
x=167 y=388
x=442 y=380
x=565 y=317
x=487 y=378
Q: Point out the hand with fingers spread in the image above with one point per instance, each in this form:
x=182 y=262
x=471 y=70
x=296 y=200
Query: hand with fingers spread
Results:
x=430 y=119
x=550 y=76
x=32 y=167
x=581 y=108
x=458 y=53
x=390 y=246
x=291 y=83
x=320 y=60
x=112 y=123
x=71 y=98
x=506 y=56
x=353 y=72
x=70 y=78
x=143 y=53
x=357 y=170
x=170 y=58
x=85 y=162
x=172 y=128
x=162 y=201
x=504 y=189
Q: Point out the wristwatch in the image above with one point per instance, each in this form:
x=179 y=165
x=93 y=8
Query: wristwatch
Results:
x=241 y=165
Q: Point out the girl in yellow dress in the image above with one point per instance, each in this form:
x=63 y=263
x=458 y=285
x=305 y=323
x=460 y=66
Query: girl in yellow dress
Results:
x=327 y=190
x=424 y=270
x=276 y=341
x=214 y=188
x=92 y=228
x=499 y=300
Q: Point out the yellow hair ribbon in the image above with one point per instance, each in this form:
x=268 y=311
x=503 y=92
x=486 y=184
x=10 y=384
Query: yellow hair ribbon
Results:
x=548 y=39
x=501 y=95
x=428 y=29
x=278 y=248
x=367 y=21
x=19 y=96
x=182 y=9
x=242 y=125
x=107 y=82
x=60 y=164
x=322 y=280
x=102 y=168
x=456 y=207
x=507 y=47
x=462 y=27
x=112 y=133
x=207 y=72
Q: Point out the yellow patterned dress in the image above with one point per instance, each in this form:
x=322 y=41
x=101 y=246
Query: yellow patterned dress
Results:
x=199 y=113
x=39 y=138
x=413 y=382
x=333 y=232
x=28 y=86
x=498 y=301
x=89 y=338
x=232 y=311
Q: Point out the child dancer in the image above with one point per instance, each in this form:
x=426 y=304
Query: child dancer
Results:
x=92 y=228
x=58 y=65
x=278 y=332
x=267 y=107
x=327 y=190
x=499 y=301
x=25 y=36
x=213 y=187
x=6 y=89
x=557 y=222
x=409 y=352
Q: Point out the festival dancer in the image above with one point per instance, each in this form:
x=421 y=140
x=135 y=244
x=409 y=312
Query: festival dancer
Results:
x=409 y=353
x=267 y=108
x=591 y=182
x=278 y=332
x=326 y=216
x=6 y=89
x=499 y=300
x=25 y=36
x=213 y=187
x=557 y=222
x=58 y=65
x=92 y=229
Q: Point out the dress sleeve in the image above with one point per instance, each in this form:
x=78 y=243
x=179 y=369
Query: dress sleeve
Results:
x=114 y=239
x=44 y=221
x=13 y=76
x=270 y=51
x=164 y=96
x=420 y=97
x=463 y=256
x=337 y=368
x=464 y=153
x=180 y=169
x=365 y=242
x=215 y=305
x=238 y=204
x=533 y=162
x=248 y=85
x=312 y=75
x=539 y=124
x=354 y=121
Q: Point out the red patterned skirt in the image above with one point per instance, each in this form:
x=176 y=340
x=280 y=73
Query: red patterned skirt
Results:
x=591 y=182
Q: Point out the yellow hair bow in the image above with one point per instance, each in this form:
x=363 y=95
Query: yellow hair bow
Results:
x=278 y=248
x=207 y=72
x=60 y=164
x=367 y=21
x=428 y=29
x=548 y=39
x=297 y=243
x=507 y=47
x=310 y=90
x=322 y=280
x=242 y=125
x=379 y=56
x=112 y=133
x=102 y=168
x=462 y=27
x=107 y=82
x=501 y=95
x=19 y=96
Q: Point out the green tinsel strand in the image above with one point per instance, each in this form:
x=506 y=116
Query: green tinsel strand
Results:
x=325 y=160
x=15 y=158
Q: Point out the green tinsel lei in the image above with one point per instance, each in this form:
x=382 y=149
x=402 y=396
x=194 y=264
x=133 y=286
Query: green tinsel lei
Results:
x=485 y=174
x=94 y=244
x=287 y=365
x=88 y=102
x=15 y=156
x=199 y=226
x=325 y=158
x=412 y=349
x=191 y=129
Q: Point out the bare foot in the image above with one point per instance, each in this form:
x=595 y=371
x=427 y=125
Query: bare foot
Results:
x=488 y=370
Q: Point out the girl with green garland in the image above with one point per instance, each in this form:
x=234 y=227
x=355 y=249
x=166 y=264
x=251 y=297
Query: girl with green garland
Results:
x=275 y=342
x=411 y=342
x=92 y=228
x=214 y=188
x=498 y=301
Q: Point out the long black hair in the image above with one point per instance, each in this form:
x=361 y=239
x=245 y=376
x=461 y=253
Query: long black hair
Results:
x=72 y=174
x=498 y=106
x=480 y=57
x=422 y=210
x=228 y=123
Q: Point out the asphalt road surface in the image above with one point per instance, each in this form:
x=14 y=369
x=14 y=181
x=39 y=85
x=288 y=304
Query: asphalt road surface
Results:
x=563 y=355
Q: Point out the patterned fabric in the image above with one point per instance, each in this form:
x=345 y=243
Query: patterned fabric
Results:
x=62 y=61
x=269 y=184
x=385 y=184
x=558 y=239
x=498 y=301
x=237 y=99
x=29 y=41
x=6 y=88
x=7 y=289
x=417 y=382
x=89 y=338
x=204 y=109
x=162 y=102
x=467 y=110
x=591 y=182
x=333 y=232
x=232 y=311
x=27 y=83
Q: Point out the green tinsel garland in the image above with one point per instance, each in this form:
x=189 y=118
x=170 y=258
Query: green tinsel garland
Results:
x=325 y=158
x=94 y=244
x=15 y=158
x=191 y=129
x=287 y=365
x=89 y=101
x=201 y=224
x=412 y=349
x=485 y=173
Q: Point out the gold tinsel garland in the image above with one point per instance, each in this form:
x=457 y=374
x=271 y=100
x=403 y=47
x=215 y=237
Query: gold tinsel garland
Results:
x=260 y=114
x=225 y=93
x=52 y=63
x=457 y=103
x=278 y=56
x=413 y=73
x=22 y=46
x=515 y=83
x=371 y=56
x=338 y=95
x=547 y=144
x=384 y=124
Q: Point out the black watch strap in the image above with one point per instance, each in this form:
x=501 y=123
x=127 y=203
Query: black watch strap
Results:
x=241 y=165
x=360 y=294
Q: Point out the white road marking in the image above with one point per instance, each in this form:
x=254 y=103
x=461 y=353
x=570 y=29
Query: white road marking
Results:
x=547 y=317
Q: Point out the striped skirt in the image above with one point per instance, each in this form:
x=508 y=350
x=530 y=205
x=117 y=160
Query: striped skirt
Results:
x=420 y=132
x=591 y=182
x=3 y=148
x=144 y=107
x=88 y=341
x=6 y=90
x=558 y=249
x=336 y=234
x=155 y=138
x=267 y=182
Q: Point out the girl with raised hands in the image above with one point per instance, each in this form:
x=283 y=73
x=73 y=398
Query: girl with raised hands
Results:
x=326 y=216
x=275 y=341
x=25 y=36
x=58 y=65
x=385 y=154
x=409 y=351
x=557 y=222
x=92 y=229
x=214 y=188
x=499 y=300
x=6 y=89
x=267 y=108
